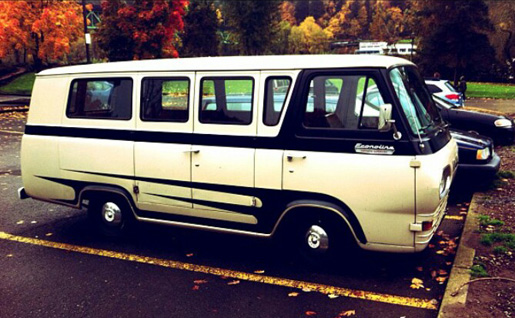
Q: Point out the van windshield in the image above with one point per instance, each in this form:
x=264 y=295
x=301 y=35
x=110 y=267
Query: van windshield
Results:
x=416 y=102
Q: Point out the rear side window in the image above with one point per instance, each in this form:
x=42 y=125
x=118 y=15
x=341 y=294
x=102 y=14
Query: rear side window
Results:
x=226 y=101
x=277 y=89
x=100 y=99
x=165 y=99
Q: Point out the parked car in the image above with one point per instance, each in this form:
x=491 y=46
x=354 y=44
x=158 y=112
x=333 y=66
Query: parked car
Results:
x=498 y=127
x=444 y=90
x=477 y=157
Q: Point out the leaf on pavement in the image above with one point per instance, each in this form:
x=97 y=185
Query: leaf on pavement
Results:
x=234 y=282
x=347 y=313
x=332 y=296
x=259 y=272
x=417 y=283
x=293 y=294
x=190 y=255
x=196 y=287
x=311 y=313
x=20 y=222
x=420 y=268
x=200 y=281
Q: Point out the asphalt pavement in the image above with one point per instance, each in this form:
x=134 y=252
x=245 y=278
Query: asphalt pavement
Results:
x=54 y=264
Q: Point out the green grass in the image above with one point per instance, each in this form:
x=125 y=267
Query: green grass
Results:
x=20 y=85
x=490 y=90
x=478 y=270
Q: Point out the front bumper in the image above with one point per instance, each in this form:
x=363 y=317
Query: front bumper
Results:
x=486 y=170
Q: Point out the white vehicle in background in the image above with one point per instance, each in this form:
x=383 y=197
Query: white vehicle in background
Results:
x=445 y=90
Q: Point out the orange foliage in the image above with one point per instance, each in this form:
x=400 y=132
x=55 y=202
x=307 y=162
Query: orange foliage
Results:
x=44 y=29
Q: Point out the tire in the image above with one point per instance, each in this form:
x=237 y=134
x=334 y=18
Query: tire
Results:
x=111 y=214
x=320 y=239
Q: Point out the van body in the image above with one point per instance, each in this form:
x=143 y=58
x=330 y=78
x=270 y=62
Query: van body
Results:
x=324 y=145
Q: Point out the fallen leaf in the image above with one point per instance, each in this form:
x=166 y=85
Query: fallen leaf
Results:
x=441 y=280
x=417 y=283
x=431 y=246
x=347 y=313
x=9 y=255
x=259 y=272
x=200 y=281
x=306 y=290
x=293 y=294
x=234 y=282
x=442 y=272
x=420 y=269
x=20 y=222
x=33 y=222
x=448 y=263
x=189 y=255
x=311 y=313
x=440 y=233
x=441 y=252
x=196 y=287
x=433 y=274
x=332 y=296
x=49 y=234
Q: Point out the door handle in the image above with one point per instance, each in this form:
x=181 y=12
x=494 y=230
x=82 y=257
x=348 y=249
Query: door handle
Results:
x=192 y=151
x=290 y=157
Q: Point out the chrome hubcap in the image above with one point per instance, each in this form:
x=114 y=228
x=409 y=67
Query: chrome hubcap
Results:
x=317 y=238
x=111 y=213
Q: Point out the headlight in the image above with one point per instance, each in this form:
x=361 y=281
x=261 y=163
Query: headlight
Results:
x=483 y=154
x=503 y=123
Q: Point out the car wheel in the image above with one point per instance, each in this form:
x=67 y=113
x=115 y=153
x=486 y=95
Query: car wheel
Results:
x=111 y=214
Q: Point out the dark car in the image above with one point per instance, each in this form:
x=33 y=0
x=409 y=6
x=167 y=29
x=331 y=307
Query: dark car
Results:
x=477 y=157
x=498 y=127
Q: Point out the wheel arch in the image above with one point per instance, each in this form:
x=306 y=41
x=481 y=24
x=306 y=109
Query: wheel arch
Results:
x=299 y=208
x=90 y=191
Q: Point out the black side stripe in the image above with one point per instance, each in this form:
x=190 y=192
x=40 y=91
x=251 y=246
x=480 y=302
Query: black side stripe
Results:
x=275 y=202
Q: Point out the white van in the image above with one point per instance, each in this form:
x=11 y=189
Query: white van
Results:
x=317 y=147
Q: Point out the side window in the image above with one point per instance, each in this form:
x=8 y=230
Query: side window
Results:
x=226 y=101
x=343 y=102
x=165 y=99
x=109 y=98
x=433 y=88
x=276 y=90
x=368 y=100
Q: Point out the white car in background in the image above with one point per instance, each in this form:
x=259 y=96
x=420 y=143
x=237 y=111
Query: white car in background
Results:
x=445 y=90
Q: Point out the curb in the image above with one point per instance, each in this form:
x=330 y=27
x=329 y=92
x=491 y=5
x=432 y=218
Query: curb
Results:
x=460 y=272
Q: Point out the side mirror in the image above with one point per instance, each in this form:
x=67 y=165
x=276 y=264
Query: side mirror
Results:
x=385 y=118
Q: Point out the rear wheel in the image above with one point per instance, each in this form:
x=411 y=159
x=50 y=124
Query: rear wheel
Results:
x=111 y=214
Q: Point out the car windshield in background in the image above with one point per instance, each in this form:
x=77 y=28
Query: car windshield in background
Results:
x=415 y=100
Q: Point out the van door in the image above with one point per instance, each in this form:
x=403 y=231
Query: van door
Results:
x=162 y=151
x=223 y=154
x=338 y=152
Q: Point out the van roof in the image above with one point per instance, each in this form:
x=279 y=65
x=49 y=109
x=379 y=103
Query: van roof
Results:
x=233 y=63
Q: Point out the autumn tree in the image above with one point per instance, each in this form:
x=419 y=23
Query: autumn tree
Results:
x=42 y=30
x=454 y=40
x=200 y=37
x=309 y=38
x=287 y=10
x=387 y=23
x=252 y=23
x=502 y=15
x=141 y=29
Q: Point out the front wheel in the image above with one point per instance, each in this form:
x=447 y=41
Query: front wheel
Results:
x=111 y=214
x=320 y=239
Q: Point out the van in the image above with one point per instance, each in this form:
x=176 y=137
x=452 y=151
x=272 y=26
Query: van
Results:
x=318 y=148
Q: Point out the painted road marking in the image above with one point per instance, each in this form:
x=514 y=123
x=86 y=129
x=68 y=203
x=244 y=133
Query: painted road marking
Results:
x=270 y=280
x=11 y=132
x=454 y=217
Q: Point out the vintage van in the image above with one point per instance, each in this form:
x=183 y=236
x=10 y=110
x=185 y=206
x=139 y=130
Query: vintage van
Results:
x=314 y=147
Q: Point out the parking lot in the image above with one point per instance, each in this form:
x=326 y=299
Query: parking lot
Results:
x=54 y=265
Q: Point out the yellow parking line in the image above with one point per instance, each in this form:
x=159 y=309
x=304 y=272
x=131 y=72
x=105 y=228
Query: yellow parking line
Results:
x=12 y=132
x=454 y=217
x=321 y=288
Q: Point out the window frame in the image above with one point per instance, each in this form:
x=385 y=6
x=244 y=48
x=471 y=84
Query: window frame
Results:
x=165 y=78
x=226 y=78
x=366 y=74
x=265 y=104
x=100 y=79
